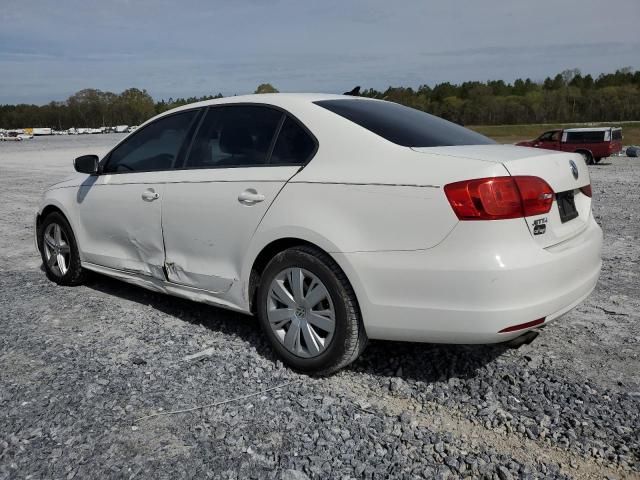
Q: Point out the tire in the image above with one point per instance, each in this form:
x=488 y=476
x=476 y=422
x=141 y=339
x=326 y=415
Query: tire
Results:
x=338 y=348
x=597 y=160
x=72 y=272
x=588 y=158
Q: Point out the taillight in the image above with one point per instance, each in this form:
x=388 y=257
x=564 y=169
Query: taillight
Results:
x=499 y=198
x=586 y=190
x=537 y=195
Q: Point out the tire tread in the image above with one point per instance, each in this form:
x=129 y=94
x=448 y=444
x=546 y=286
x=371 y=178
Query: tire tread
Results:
x=356 y=340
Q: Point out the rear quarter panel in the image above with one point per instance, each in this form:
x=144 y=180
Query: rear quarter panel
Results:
x=598 y=150
x=362 y=193
x=361 y=217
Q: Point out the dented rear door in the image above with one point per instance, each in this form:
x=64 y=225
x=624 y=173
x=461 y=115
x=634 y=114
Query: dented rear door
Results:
x=209 y=217
x=211 y=208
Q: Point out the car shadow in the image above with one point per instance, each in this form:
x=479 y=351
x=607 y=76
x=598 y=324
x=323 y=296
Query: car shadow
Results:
x=426 y=362
x=214 y=318
x=416 y=361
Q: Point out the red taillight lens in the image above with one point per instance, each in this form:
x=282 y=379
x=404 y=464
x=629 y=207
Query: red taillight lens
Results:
x=537 y=195
x=522 y=326
x=586 y=190
x=485 y=198
x=499 y=198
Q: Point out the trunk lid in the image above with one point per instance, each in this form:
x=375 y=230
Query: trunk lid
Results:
x=556 y=168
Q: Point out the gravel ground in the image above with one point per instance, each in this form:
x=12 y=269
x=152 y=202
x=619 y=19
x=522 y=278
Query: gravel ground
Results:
x=82 y=366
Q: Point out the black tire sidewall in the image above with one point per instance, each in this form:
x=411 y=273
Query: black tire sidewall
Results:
x=588 y=157
x=336 y=349
x=74 y=256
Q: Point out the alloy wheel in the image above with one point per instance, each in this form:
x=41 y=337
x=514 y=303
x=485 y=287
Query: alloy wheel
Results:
x=57 y=250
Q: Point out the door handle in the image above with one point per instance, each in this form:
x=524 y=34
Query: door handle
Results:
x=149 y=195
x=250 y=197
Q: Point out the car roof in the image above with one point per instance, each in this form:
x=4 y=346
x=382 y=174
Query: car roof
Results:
x=283 y=100
x=591 y=129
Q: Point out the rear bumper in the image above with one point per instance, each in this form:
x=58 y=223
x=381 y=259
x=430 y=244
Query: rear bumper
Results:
x=485 y=277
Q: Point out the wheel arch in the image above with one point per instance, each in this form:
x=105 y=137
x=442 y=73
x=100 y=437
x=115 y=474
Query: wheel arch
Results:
x=585 y=150
x=44 y=213
x=272 y=249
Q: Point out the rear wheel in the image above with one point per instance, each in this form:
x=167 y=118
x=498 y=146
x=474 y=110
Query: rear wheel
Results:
x=309 y=311
x=588 y=158
x=59 y=251
x=597 y=160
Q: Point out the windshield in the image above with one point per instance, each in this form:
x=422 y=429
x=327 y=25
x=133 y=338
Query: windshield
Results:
x=403 y=125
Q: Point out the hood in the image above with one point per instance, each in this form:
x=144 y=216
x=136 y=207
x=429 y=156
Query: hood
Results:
x=73 y=180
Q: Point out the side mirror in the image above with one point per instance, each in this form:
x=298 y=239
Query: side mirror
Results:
x=86 y=164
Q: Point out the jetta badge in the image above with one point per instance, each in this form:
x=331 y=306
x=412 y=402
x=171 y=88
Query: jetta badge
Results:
x=574 y=169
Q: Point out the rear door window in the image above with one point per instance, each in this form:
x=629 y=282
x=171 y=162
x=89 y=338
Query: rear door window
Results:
x=403 y=125
x=234 y=136
x=294 y=145
x=152 y=148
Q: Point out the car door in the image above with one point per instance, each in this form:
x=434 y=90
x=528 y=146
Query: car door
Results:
x=240 y=158
x=120 y=210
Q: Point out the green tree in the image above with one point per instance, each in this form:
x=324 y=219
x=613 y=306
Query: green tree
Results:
x=266 y=88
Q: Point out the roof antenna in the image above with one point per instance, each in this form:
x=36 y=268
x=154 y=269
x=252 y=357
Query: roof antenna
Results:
x=354 y=93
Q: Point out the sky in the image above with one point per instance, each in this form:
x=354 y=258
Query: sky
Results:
x=180 y=48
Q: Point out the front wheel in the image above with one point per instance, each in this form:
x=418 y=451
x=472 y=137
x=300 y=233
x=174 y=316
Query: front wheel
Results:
x=309 y=311
x=59 y=251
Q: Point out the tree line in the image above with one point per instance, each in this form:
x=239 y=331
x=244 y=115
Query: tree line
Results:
x=568 y=97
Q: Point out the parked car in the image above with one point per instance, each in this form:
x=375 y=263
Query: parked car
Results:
x=593 y=144
x=333 y=219
x=10 y=137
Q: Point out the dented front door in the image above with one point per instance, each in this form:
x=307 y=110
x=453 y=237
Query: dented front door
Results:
x=120 y=222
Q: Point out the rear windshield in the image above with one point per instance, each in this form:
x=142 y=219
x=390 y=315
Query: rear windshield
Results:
x=403 y=125
x=585 y=137
x=616 y=134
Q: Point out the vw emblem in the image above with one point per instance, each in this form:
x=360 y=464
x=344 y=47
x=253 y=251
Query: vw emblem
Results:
x=574 y=169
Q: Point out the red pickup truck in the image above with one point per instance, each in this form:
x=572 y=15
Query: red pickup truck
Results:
x=593 y=144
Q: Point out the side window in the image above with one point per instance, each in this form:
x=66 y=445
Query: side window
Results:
x=545 y=137
x=294 y=145
x=154 y=147
x=234 y=136
x=555 y=136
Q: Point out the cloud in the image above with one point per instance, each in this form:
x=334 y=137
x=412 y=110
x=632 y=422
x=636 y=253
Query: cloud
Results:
x=198 y=47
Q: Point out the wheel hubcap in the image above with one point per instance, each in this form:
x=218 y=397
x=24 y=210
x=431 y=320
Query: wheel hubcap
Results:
x=56 y=250
x=301 y=312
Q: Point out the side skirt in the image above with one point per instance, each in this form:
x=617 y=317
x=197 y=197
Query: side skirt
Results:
x=157 y=285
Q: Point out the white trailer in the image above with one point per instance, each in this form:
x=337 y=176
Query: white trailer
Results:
x=42 y=131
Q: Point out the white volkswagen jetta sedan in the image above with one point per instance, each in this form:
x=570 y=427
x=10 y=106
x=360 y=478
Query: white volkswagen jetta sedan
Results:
x=334 y=219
